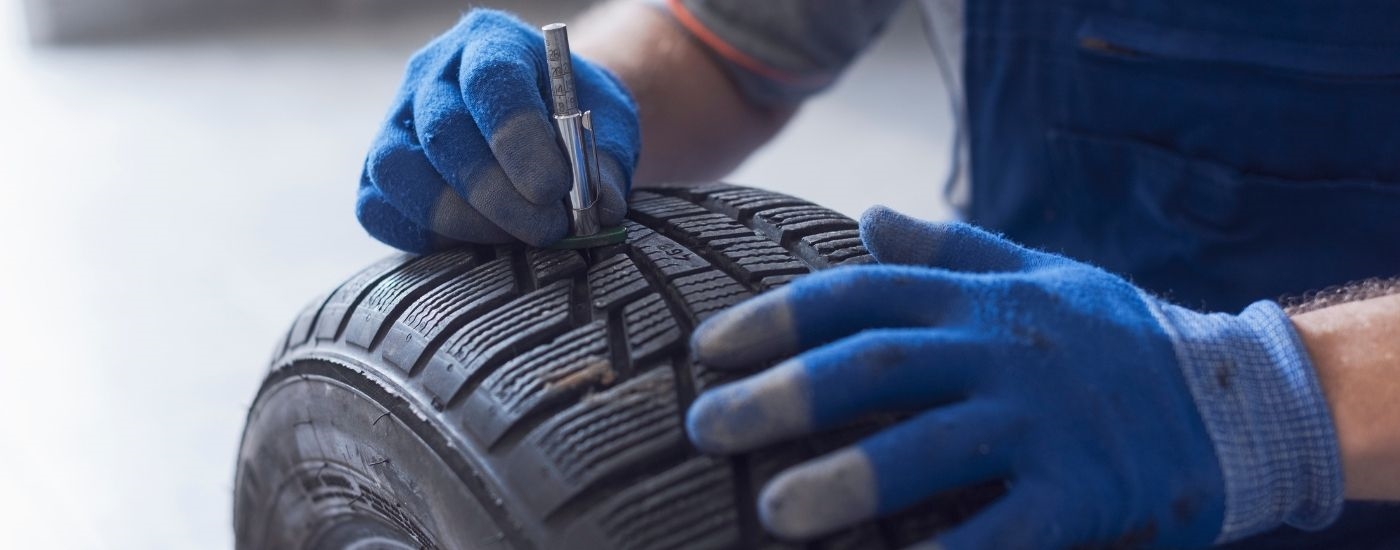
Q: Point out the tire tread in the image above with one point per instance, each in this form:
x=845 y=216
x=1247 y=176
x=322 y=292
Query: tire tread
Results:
x=568 y=375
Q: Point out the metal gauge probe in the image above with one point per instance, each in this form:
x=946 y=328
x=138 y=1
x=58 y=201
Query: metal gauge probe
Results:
x=577 y=139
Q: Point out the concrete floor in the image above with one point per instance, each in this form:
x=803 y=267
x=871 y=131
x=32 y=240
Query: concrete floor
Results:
x=168 y=204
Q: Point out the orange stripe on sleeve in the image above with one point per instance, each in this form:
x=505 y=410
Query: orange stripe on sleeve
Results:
x=709 y=38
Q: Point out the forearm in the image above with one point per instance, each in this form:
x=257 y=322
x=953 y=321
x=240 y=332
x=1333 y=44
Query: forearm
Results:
x=695 y=124
x=1355 y=348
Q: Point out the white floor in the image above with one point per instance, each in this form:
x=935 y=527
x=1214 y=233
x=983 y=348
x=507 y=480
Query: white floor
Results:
x=167 y=205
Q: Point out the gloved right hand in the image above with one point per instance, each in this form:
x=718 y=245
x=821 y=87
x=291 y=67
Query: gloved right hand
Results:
x=469 y=152
x=1117 y=419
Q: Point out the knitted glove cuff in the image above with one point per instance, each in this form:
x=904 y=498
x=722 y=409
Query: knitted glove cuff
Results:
x=1264 y=409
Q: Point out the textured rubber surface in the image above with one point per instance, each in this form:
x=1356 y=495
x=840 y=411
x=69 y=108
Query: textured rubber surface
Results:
x=555 y=384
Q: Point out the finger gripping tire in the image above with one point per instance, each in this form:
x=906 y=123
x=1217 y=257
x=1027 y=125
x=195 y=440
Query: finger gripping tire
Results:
x=509 y=397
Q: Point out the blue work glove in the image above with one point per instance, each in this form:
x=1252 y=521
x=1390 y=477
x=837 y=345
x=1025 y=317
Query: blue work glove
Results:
x=1114 y=417
x=469 y=153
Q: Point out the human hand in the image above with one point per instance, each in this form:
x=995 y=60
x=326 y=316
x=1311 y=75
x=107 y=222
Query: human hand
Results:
x=469 y=153
x=1113 y=416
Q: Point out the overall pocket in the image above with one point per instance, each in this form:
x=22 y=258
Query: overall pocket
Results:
x=1287 y=108
x=1123 y=37
x=1211 y=236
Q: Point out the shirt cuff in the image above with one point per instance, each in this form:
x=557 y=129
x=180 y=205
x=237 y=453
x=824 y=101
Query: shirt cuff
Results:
x=1264 y=409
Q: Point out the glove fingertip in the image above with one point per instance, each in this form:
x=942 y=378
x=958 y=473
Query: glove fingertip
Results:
x=819 y=496
x=452 y=216
x=748 y=334
x=703 y=423
x=875 y=214
x=529 y=154
x=886 y=234
x=740 y=416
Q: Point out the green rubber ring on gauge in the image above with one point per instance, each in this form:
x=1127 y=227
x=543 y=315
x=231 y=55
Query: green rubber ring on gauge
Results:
x=609 y=235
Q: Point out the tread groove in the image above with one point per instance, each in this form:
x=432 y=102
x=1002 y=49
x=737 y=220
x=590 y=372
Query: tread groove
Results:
x=618 y=350
x=521 y=266
x=749 y=528
x=685 y=393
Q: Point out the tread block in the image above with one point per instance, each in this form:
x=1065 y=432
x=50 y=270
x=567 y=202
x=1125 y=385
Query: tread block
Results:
x=451 y=303
x=710 y=226
x=865 y=258
x=767 y=261
x=744 y=202
x=689 y=506
x=565 y=368
x=495 y=337
x=636 y=232
x=786 y=224
x=615 y=280
x=649 y=327
x=668 y=256
x=709 y=292
x=700 y=191
x=770 y=283
x=389 y=293
x=831 y=248
x=553 y=265
x=739 y=243
x=605 y=434
x=344 y=298
x=663 y=207
x=833 y=240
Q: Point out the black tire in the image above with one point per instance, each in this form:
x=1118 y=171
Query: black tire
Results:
x=510 y=397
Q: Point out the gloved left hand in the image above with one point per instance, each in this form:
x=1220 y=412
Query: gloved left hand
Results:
x=469 y=152
x=1113 y=416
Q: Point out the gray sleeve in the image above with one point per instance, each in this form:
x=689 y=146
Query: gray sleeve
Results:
x=780 y=52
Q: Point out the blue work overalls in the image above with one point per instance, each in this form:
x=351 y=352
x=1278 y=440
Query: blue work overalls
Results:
x=1216 y=152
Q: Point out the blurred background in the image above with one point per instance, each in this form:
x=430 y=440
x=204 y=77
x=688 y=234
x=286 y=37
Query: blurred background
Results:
x=177 y=178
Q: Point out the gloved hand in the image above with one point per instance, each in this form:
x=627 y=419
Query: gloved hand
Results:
x=469 y=151
x=1113 y=416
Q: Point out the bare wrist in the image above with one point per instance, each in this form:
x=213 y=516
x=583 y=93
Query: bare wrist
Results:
x=1353 y=347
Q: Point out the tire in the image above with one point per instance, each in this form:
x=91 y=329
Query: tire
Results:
x=508 y=397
